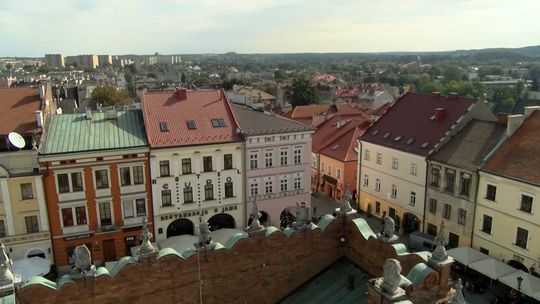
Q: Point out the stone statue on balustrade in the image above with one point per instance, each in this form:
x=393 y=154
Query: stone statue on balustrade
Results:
x=346 y=208
x=303 y=216
x=255 y=216
x=205 y=240
x=387 y=235
x=6 y=276
x=146 y=247
x=439 y=254
x=83 y=261
x=391 y=276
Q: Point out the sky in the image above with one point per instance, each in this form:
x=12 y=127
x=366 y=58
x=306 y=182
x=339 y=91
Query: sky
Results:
x=72 y=27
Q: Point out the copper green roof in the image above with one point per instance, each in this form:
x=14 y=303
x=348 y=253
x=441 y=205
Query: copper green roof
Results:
x=67 y=133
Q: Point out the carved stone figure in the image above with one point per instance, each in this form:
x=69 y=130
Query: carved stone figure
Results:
x=6 y=276
x=146 y=236
x=346 y=206
x=391 y=276
x=440 y=254
x=255 y=216
x=205 y=241
x=83 y=259
x=460 y=298
x=302 y=215
x=389 y=226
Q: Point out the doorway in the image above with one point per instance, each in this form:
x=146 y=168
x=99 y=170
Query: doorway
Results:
x=109 y=252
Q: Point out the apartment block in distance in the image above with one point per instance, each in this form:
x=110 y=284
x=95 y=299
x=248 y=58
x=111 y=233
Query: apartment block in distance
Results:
x=55 y=60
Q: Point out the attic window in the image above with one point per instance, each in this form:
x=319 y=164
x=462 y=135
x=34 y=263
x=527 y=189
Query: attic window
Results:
x=164 y=126
x=410 y=140
x=386 y=135
x=218 y=123
x=425 y=145
x=375 y=132
x=397 y=138
x=335 y=147
x=191 y=124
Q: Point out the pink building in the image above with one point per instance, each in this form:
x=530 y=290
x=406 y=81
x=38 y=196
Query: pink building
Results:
x=278 y=171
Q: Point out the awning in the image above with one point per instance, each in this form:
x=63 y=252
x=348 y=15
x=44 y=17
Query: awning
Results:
x=330 y=179
x=466 y=255
x=29 y=267
x=530 y=285
x=492 y=268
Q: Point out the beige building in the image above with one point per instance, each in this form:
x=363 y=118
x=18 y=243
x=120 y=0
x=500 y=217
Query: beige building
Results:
x=55 y=60
x=507 y=222
x=104 y=60
x=452 y=181
x=87 y=61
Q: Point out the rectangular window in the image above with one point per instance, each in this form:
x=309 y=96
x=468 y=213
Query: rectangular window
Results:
x=366 y=180
x=188 y=195
x=268 y=187
x=164 y=168
x=431 y=229
x=229 y=189
x=186 y=166
x=379 y=159
x=338 y=173
x=378 y=185
x=412 y=200
x=63 y=183
x=67 y=217
x=254 y=189
x=218 y=123
x=491 y=192
x=526 y=203
x=484 y=251
x=166 y=199
x=297 y=183
x=2 y=229
x=191 y=124
x=395 y=163
x=253 y=161
x=450 y=176
x=128 y=209
x=26 y=191
x=465 y=184
x=322 y=167
x=366 y=155
x=138 y=176
x=125 y=176
x=76 y=181
x=140 y=206
x=283 y=184
x=414 y=169
x=31 y=224
x=80 y=213
x=284 y=157
x=377 y=207
x=208 y=191
x=447 y=211
x=435 y=176
x=433 y=205
x=105 y=217
x=227 y=162
x=522 y=236
x=268 y=159
x=297 y=156
x=393 y=194
x=207 y=163
x=486 y=224
x=462 y=216
x=102 y=179
x=330 y=170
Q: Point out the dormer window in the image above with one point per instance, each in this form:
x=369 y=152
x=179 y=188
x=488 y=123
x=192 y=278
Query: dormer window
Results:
x=386 y=135
x=425 y=145
x=191 y=124
x=410 y=140
x=164 y=126
x=218 y=123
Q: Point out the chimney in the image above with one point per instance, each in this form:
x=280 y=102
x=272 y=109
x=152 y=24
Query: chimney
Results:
x=39 y=118
x=41 y=91
x=181 y=93
x=436 y=95
x=513 y=122
x=453 y=95
x=439 y=113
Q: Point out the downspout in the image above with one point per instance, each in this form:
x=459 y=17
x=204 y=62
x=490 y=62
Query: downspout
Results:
x=425 y=196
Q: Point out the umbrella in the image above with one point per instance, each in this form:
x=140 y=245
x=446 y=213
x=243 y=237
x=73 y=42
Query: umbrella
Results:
x=530 y=285
x=466 y=255
x=29 y=267
x=492 y=268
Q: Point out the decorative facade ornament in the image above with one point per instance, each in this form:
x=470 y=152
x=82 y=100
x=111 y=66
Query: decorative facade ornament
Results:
x=83 y=259
x=303 y=216
x=391 y=276
x=205 y=241
x=146 y=244
x=6 y=276
x=255 y=216
x=439 y=254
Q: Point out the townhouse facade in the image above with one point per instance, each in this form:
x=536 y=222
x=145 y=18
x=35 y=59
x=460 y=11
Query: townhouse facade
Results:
x=24 y=226
x=393 y=168
x=507 y=219
x=277 y=154
x=97 y=181
x=452 y=181
x=196 y=161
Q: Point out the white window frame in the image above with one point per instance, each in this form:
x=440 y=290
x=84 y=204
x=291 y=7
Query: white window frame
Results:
x=283 y=183
x=69 y=172
x=297 y=183
x=412 y=199
x=297 y=155
x=366 y=180
x=366 y=155
x=395 y=163
x=379 y=159
x=268 y=159
x=414 y=169
x=393 y=193
x=378 y=185
x=284 y=157
x=254 y=188
x=269 y=184
x=254 y=159
x=338 y=173
x=98 y=212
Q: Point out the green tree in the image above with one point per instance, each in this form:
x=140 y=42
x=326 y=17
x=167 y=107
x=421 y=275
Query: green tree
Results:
x=229 y=83
x=109 y=96
x=302 y=92
x=44 y=69
x=9 y=66
x=452 y=72
x=183 y=78
x=535 y=85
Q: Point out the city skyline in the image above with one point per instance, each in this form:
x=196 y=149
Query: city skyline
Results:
x=34 y=28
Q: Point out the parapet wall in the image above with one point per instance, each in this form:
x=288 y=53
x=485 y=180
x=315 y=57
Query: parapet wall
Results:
x=260 y=269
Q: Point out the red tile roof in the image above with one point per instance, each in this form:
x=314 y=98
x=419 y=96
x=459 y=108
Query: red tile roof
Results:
x=519 y=156
x=17 y=107
x=339 y=143
x=410 y=124
x=199 y=106
x=305 y=114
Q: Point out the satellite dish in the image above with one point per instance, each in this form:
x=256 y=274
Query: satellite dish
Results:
x=16 y=139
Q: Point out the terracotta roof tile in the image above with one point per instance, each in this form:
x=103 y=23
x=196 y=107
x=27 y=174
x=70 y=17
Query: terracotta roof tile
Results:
x=17 y=107
x=199 y=106
x=519 y=156
x=410 y=124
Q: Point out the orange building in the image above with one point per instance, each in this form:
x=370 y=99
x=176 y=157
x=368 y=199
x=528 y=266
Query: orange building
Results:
x=97 y=183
